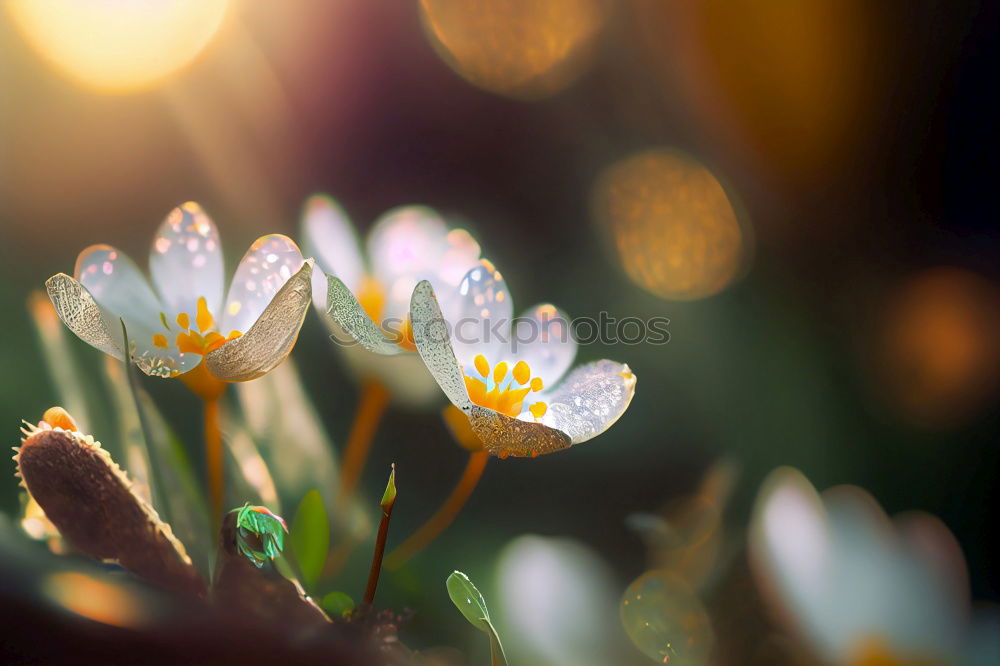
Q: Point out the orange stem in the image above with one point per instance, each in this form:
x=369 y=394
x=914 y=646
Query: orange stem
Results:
x=213 y=459
x=444 y=516
x=372 y=403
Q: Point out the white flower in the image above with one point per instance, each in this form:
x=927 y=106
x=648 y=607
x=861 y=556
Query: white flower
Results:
x=859 y=588
x=508 y=384
x=367 y=293
x=186 y=320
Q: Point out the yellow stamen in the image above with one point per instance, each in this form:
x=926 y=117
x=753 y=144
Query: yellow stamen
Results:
x=509 y=399
x=522 y=373
x=184 y=321
x=538 y=409
x=234 y=334
x=203 y=317
x=482 y=367
x=160 y=340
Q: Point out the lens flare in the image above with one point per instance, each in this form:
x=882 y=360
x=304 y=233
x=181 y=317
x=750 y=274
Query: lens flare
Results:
x=666 y=620
x=525 y=49
x=116 y=46
x=675 y=228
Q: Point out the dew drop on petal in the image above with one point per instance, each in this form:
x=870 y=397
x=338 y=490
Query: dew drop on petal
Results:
x=666 y=620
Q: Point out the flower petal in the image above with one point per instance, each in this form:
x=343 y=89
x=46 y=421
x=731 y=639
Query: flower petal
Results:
x=115 y=282
x=504 y=436
x=430 y=334
x=589 y=400
x=345 y=310
x=413 y=243
x=330 y=238
x=186 y=260
x=479 y=313
x=542 y=338
x=272 y=336
x=82 y=315
x=266 y=266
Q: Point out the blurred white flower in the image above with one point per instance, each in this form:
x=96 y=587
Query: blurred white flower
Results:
x=857 y=587
x=367 y=293
x=557 y=603
x=186 y=320
x=504 y=374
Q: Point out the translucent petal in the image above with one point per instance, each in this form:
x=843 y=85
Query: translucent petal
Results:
x=413 y=243
x=186 y=261
x=329 y=237
x=271 y=337
x=115 y=282
x=542 y=337
x=430 y=334
x=479 y=313
x=589 y=400
x=344 y=309
x=266 y=266
x=82 y=315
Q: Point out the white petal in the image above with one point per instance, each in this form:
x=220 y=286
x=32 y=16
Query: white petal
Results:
x=345 y=311
x=589 y=400
x=479 y=313
x=115 y=282
x=264 y=269
x=82 y=315
x=413 y=243
x=186 y=261
x=329 y=237
x=790 y=548
x=542 y=338
x=557 y=600
x=272 y=336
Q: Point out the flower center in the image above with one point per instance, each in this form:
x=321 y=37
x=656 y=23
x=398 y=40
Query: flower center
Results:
x=504 y=391
x=371 y=297
x=189 y=341
x=877 y=652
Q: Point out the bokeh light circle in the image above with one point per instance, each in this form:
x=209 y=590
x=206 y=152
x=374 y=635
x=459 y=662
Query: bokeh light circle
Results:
x=675 y=229
x=666 y=620
x=527 y=49
x=116 y=45
x=939 y=347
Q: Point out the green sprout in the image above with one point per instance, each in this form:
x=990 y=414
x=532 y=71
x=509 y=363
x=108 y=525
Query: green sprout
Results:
x=260 y=534
x=470 y=602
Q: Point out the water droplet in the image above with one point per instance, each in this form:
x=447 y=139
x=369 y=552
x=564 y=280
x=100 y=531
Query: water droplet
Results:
x=666 y=620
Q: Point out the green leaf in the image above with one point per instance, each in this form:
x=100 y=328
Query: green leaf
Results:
x=470 y=602
x=310 y=537
x=268 y=532
x=337 y=604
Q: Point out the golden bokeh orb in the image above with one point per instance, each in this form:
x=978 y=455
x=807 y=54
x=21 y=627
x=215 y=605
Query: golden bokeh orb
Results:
x=675 y=229
x=116 y=46
x=526 y=49
x=940 y=347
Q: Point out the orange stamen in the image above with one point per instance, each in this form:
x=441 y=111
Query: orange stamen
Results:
x=508 y=400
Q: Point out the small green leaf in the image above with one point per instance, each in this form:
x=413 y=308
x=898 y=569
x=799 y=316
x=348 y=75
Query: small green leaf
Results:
x=468 y=600
x=260 y=534
x=337 y=604
x=310 y=537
